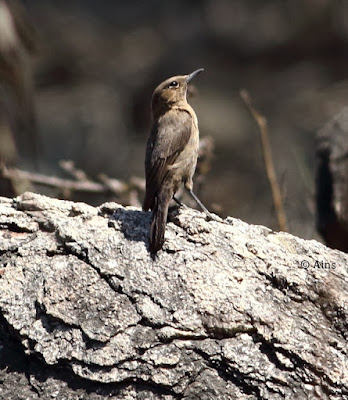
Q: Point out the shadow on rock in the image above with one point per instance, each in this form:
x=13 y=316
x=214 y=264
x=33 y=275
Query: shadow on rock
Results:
x=134 y=224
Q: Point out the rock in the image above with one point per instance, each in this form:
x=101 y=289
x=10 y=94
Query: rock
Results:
x=226 y=310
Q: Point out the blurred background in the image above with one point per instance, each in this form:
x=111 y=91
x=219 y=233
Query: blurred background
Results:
x=76 y=79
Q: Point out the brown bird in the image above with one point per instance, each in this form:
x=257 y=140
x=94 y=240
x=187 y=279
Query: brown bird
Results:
x=171 y=153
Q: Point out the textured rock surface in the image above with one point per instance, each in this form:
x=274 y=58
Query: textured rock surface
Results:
x=226 y=311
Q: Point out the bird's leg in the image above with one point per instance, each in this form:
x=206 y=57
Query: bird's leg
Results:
x=177 y=201
x=209 y=215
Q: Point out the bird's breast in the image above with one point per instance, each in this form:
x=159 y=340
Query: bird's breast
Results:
x=187 y=158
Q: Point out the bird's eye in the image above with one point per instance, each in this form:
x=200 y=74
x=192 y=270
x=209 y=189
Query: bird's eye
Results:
x=173 y=84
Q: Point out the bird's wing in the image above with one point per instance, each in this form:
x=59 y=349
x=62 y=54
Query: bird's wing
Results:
x=169 y=136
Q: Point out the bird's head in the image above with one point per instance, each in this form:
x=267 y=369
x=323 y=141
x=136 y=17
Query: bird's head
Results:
x=172 y=91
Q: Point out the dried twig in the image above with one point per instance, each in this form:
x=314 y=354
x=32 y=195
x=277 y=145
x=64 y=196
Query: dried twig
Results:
x=114 y=185
x=69 y=167
x=268 y=160
x=127 y=191
x=52 y=181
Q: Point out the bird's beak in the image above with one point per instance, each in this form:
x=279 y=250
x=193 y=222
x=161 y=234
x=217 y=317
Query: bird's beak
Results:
x=193 y=74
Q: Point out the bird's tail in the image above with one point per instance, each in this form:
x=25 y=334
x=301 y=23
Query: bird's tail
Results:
x=159 y=220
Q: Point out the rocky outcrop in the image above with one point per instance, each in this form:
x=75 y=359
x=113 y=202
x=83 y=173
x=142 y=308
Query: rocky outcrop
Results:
x=226 y=310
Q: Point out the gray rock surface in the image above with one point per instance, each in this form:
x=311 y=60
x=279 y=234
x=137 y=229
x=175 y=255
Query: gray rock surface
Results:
x=226 y=310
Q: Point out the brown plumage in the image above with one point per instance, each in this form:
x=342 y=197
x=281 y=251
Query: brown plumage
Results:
x=172 y=151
